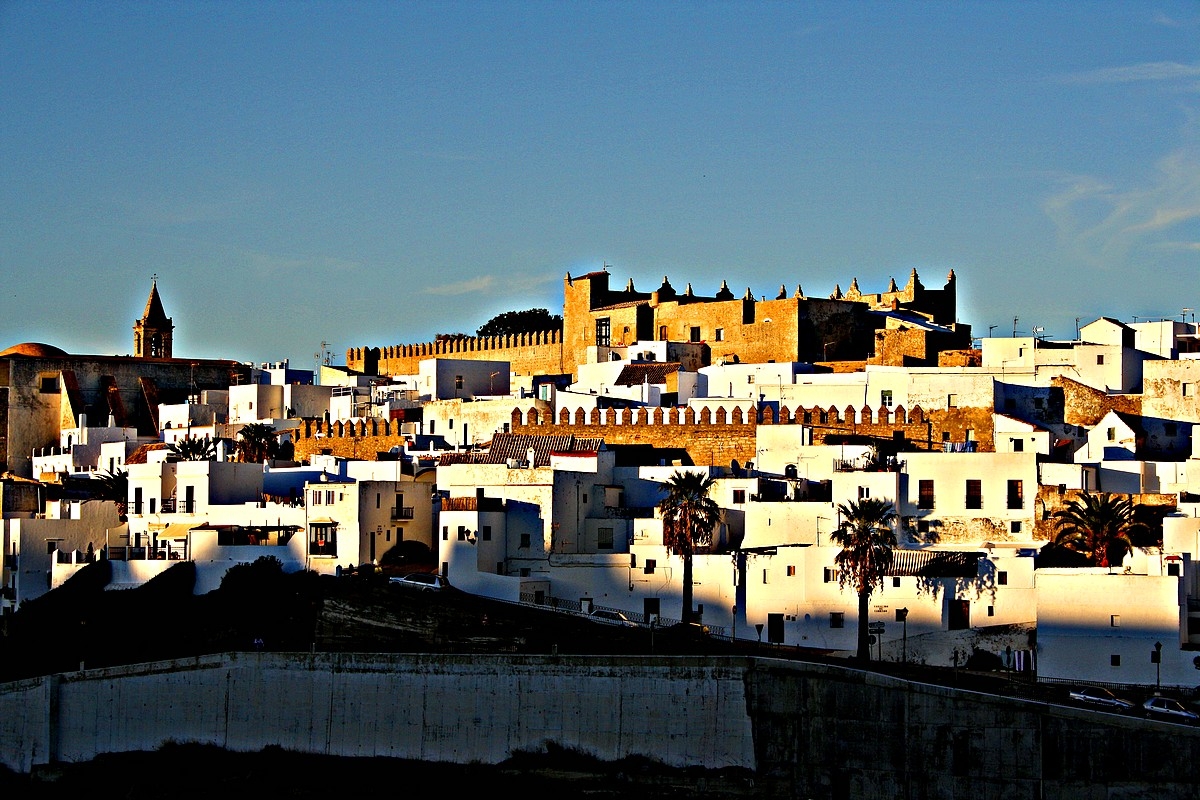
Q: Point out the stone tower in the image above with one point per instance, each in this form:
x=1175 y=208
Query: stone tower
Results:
x=152 y=333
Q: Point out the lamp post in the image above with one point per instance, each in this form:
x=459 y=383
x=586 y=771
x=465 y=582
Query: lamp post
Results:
x=1156 y=657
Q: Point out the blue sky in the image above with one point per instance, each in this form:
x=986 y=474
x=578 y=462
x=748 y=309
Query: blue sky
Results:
x=375 y=173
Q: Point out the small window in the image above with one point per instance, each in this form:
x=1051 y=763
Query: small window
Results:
x=864 y=492
x=766 y=576
x=1016 y=494
x=662 y=333
x=739 y=496
x=952 y=401
x=974 y=493
x=1002 y=578
x=885 y=398
x=694 y=335
x=1173 y=569
x=923 y=526
x=1189 y=389
x=1014 y=526
x=719 y=334
x=1111 y=434
x=991 y=611
x=524 y=541
x=830 y=575
x=925 y=494
x=49 y=384
x=387 y=536
x=1114 y=621
x=445 y=533
x=1100 y=360
x=837 y=619
x=1114 y=660
x=604 y=538
x=945 y=436
x=791 y=570
x=462 y=533
x=750 y=379
x=650 y=565
x=1018 y=445
x=895 y=583
x=485 y=533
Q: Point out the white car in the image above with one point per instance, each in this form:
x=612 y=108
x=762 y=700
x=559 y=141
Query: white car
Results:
x=1171 y=710
x=612 y=617
x=1099 y=696
x=424 y=581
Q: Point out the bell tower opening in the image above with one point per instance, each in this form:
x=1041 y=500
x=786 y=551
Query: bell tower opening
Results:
x=152 y=333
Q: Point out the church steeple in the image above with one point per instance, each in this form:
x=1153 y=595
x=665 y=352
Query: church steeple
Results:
x=152 y=333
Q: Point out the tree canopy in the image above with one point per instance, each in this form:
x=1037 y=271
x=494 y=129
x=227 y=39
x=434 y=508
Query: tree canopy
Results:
x=533 y=320
x=1098 y=526
x=689 y=516
x=867 y=541
x=193 y=448
x=257 y=442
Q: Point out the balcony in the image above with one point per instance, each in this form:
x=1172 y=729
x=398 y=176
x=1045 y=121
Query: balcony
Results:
x=402 y=512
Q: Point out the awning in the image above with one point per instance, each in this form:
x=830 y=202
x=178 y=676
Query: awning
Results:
x=322 y=521
x=175 y=530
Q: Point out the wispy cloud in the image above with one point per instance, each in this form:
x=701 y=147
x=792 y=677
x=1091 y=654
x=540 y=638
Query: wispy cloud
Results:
x=1101 y=224
x=472 y=286
x=1135 y=73
x=1166 y=21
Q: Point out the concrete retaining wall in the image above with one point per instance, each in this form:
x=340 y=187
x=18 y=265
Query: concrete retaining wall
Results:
x=805 y=730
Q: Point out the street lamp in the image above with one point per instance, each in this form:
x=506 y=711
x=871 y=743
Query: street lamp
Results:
x=902 y=614
x=1156 y=657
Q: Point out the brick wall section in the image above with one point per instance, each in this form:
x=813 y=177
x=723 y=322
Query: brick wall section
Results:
x=719 y=437
x=527 y=354
x=960 y=358
x=709 y=438
x=1083 y=405
x=362 y=440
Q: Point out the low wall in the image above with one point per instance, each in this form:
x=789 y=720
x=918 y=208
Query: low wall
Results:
x=806 y=730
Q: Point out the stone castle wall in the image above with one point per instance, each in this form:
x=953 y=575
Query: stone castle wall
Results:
x=709 y=437
x=527 y=353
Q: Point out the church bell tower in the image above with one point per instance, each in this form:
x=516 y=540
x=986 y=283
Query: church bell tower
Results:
x=152 y=333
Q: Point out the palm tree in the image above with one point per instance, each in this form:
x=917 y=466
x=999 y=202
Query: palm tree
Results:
x=867 y=539
x=113 y=486
x=193 y=448
x=689 y=516
x=257 y=442
x=1098 y=526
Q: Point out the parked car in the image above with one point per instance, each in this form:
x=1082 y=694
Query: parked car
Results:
x=1101 y=697
x=424 y=581
x=611 y=617
x=1169 y=709
x=689 y=629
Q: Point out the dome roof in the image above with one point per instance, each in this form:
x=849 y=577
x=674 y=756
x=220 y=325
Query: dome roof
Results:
x=33 y=349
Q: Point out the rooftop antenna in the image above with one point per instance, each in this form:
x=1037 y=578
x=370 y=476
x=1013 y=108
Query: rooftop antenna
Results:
x=1014 y=327
x=324 y=356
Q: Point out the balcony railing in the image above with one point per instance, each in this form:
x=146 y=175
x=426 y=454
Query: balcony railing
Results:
x=402 y=512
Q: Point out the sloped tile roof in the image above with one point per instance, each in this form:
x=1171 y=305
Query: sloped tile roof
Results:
x=516 y=446
x=652 y=372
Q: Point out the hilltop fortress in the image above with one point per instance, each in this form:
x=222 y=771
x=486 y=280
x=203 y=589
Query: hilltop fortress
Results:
x=900 y=326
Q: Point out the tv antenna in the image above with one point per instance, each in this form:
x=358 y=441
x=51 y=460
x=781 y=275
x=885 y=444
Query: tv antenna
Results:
x=324 y=356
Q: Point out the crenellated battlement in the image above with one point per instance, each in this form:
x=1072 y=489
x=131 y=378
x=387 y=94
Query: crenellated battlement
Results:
x=528 y=353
